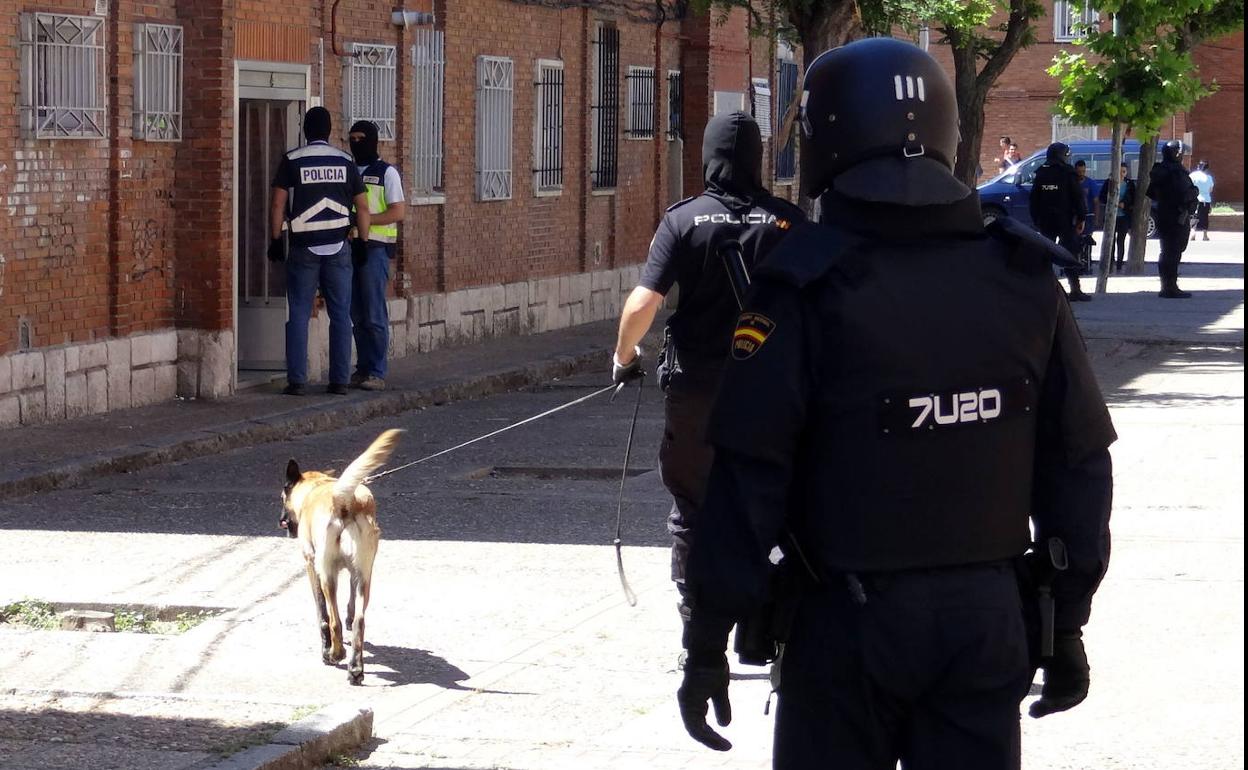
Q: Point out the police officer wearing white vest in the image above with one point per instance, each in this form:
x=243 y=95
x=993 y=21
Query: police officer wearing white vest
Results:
x=370 y=316
x=313 y=192
x=907 y=393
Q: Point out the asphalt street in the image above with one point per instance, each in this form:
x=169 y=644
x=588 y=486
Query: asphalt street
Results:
x=498 y=636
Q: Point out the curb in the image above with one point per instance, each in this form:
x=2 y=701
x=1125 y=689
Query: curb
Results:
x=301 y=422
x=308 y=743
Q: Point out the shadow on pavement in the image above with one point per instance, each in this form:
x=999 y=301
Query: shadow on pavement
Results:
x=408 y=665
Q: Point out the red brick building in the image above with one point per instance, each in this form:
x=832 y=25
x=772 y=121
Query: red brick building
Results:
x=537 y=146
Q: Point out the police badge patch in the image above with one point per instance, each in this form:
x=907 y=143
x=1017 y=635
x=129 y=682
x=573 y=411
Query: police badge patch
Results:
x=752 y=331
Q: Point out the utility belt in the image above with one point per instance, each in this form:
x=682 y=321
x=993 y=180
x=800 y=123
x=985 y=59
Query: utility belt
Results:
x=699 y=372
x=761 y=636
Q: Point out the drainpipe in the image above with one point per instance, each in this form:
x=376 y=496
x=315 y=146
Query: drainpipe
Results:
x=660 y=130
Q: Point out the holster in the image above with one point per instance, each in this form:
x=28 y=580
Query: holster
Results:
x=1036 y=570
x=669 y=362
x=759 y=635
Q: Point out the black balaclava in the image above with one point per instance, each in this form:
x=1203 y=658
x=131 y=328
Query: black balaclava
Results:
x=732 y=159
x=317 y=125
x=364 y=150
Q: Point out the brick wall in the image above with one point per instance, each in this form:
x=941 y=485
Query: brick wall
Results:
x=1216 y=138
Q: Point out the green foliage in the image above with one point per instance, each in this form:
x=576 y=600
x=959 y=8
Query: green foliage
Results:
x=1140 y=72
x=29 y=612
x=129 y=621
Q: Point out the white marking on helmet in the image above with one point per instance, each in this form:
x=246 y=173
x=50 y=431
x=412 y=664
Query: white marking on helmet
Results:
x=922 y=95
x=909 y=87
x=897 y=86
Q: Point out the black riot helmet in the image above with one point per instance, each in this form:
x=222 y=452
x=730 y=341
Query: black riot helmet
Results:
x=877 y=98
x=1172 y=150
x=1058 y=152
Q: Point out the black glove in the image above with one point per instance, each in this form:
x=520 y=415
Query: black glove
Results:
x=705 y=679
x=1066 y=676
x=277 y=250
x=622 y=373
x=359 y=252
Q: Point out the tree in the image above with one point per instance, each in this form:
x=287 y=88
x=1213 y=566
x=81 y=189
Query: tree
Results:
x=1140 y=72
x=981 y=50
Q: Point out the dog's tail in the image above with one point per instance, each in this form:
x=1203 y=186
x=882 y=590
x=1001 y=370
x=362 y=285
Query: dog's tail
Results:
x=373 y=458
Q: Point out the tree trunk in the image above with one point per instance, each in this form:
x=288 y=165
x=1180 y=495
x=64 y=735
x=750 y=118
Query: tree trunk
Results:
x=829 y=24
x=1111 y=211
x=1143 y=206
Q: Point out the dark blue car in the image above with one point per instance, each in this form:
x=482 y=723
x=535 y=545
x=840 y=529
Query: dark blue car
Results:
x=1008 y=193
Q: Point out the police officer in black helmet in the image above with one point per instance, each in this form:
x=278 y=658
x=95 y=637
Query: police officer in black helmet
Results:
x=907 y=392
x=688 y=250
x=1059 y=209
x=1171 y=186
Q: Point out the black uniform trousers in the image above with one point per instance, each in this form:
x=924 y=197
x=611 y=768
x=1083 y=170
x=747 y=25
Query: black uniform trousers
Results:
x=1072 y=242
x=1173 y=243
x=685 y=456
x=929 y=671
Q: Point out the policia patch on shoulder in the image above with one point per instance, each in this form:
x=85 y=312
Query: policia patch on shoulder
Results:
x=753 y=329
x=923 y=413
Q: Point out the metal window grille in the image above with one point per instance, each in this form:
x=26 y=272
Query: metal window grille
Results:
x=64 y=94
x=370 y=83
x=1065 y=131
x=428 y=79
x=786 y=87
x=548 y=136
x=604 y=110
x=157 y=82
x=641 y=122
x=1071 y=18
x=494 y=98
x=675 y=106
x=760 y=97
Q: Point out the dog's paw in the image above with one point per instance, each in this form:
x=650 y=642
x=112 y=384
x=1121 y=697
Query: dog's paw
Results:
x=338 y=655
x=356 y=678
x=327 y=658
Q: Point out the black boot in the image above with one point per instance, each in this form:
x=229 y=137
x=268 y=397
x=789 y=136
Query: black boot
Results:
x=1076 y=291
x=1170 y=283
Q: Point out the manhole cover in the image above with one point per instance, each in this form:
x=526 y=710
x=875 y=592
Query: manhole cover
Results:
x=545 y=473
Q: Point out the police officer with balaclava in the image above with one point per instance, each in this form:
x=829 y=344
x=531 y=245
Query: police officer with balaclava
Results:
x=688 y=250
x=313 y=192
x=1059 y=208
x=1171 y=186
x=907 y=391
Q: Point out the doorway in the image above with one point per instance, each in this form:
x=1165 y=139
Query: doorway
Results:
x=271 y=100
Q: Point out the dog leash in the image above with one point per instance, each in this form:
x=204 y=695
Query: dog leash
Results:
x=491 y=434
x=629 y=595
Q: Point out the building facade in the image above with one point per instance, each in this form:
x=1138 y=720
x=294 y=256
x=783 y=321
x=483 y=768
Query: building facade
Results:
x=538 y=144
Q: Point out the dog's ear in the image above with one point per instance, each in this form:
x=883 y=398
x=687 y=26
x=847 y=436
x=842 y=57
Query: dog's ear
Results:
x=293 y=475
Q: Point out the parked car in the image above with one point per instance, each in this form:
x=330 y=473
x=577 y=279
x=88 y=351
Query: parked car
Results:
x=1008 y=193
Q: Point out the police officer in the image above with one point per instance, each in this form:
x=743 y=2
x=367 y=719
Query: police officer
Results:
x=313 y=192
x=1171 y=186
x=688 y=250
x=370 y=316
x=905 y=391
x=1059 y=208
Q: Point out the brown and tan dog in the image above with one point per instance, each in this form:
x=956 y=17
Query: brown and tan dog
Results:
x=335 y=520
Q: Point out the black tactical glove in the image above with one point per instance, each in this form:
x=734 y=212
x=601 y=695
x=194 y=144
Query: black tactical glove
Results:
x=359 y=252
x=1066 y=676
x=622 y=373
x=277 y=250
x=706 y=678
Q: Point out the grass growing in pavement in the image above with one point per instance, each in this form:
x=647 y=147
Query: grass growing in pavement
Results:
x=31 y=613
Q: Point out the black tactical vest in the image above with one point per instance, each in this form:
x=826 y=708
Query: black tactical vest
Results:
x=922 y=429
x=321 y=199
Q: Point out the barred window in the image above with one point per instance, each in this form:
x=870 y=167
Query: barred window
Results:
x=1071 y=18
x=548 y=128
x=786 y=87
x=604 y=110
x=760 y=98
x=157 y=82
x=675 y=106
x=370 y=84
x=1065 y=131
x=641 y=122
x=64 y=93
x=428 y=79
x=494 y=100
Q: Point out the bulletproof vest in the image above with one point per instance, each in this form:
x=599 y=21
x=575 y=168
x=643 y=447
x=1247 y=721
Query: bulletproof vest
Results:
x=706 y=310
x=1050 y=191
x=1177 y=195
x=320 y=202
x=922 y=421
x=374 y=175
